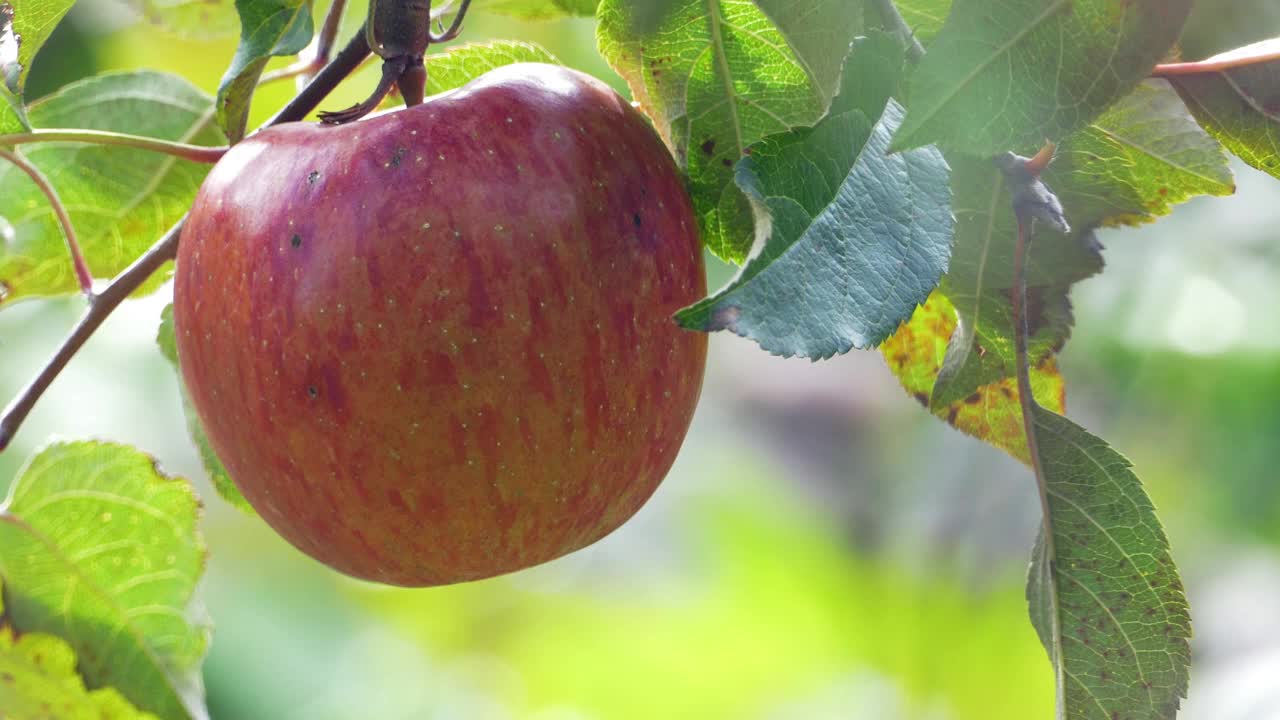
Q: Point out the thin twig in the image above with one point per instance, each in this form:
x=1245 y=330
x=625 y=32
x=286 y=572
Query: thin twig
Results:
x=83 y=275
x=344 y=63
x=1212 y=65
x=195 y=153
x=120 y=288
x=165 y=249
x=890 y=16
x=1028 y=407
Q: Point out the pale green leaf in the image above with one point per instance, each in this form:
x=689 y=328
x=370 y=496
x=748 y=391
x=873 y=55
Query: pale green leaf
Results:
x=1240 y=102
x=924 y=17
x=718 y=76
x=1105 y=596
x=38 y=681
x=194 y=19
x=538 y=9
x=13 y=117
x=858 y=238
x=33 y=23
x=460 y=65
x=100 y=548
x=1005 y=75
x=120 y=199
x=268 y=28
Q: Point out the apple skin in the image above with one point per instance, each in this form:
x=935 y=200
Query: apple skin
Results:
x=436 y=345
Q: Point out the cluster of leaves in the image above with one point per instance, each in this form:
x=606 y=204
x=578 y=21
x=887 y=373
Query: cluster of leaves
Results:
x=854 y=186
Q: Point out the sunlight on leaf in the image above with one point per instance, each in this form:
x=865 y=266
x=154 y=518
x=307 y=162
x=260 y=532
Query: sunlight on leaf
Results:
x=33 y=23
x=38 y=681
x=924 y=17
x=460 y=65
x=538 y=9
x=990 y=413
x=858 y=238
x=193 y=19
x=717 y=77
x=120 y=199
x=1109 y=607
x=1005 y=75
x=1240 y=105
x=101 y=549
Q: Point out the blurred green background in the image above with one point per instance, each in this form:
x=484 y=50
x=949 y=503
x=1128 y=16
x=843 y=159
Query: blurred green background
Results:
x=822 y=549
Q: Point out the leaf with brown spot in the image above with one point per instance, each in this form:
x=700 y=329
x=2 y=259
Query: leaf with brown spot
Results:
x=915 y=355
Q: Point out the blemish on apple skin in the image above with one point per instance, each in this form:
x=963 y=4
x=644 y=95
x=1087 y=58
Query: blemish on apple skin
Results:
x=296 y=240
x=313 y=392
x=312 y=177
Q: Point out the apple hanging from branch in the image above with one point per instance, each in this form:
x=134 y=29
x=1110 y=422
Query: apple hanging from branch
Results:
x=436 y=345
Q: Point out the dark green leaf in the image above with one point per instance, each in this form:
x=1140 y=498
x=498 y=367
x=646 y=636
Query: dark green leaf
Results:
x=40 y=678
x=717 y=77
x=460 y=65
x=1006 y=75
x=268 y=28
x=1239 y=101
x=1105 y=597
x=33 y=22
x=858 y=238
x=100 y=548
x=539 y=9
x=120 y=199
x=222 y=482
x=1134 y=162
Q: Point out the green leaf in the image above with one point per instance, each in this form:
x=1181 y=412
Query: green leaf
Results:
x=1145 y=154
x=718 y=76
x=1006 y=75
x=38 y=681
x=33 y=22
x=1239 y=101
x=990 y=413
x=924 y=17
x=100 y=548
x=539 y=9
x=13 y=117
x=194 y=19
x=222 y=481
x=268 y=28
x=120 y=199
x=1106 y=597
x=460 y=65
x=858 y=238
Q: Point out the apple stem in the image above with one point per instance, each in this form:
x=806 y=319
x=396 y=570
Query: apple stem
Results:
x=73 y=245
x=164 y=250
x=194 y=153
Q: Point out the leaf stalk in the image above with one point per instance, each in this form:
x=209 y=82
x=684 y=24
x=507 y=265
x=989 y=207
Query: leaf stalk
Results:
x=83 y=276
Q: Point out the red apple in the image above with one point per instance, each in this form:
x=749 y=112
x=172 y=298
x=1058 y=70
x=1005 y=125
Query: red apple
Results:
x=436 y=345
